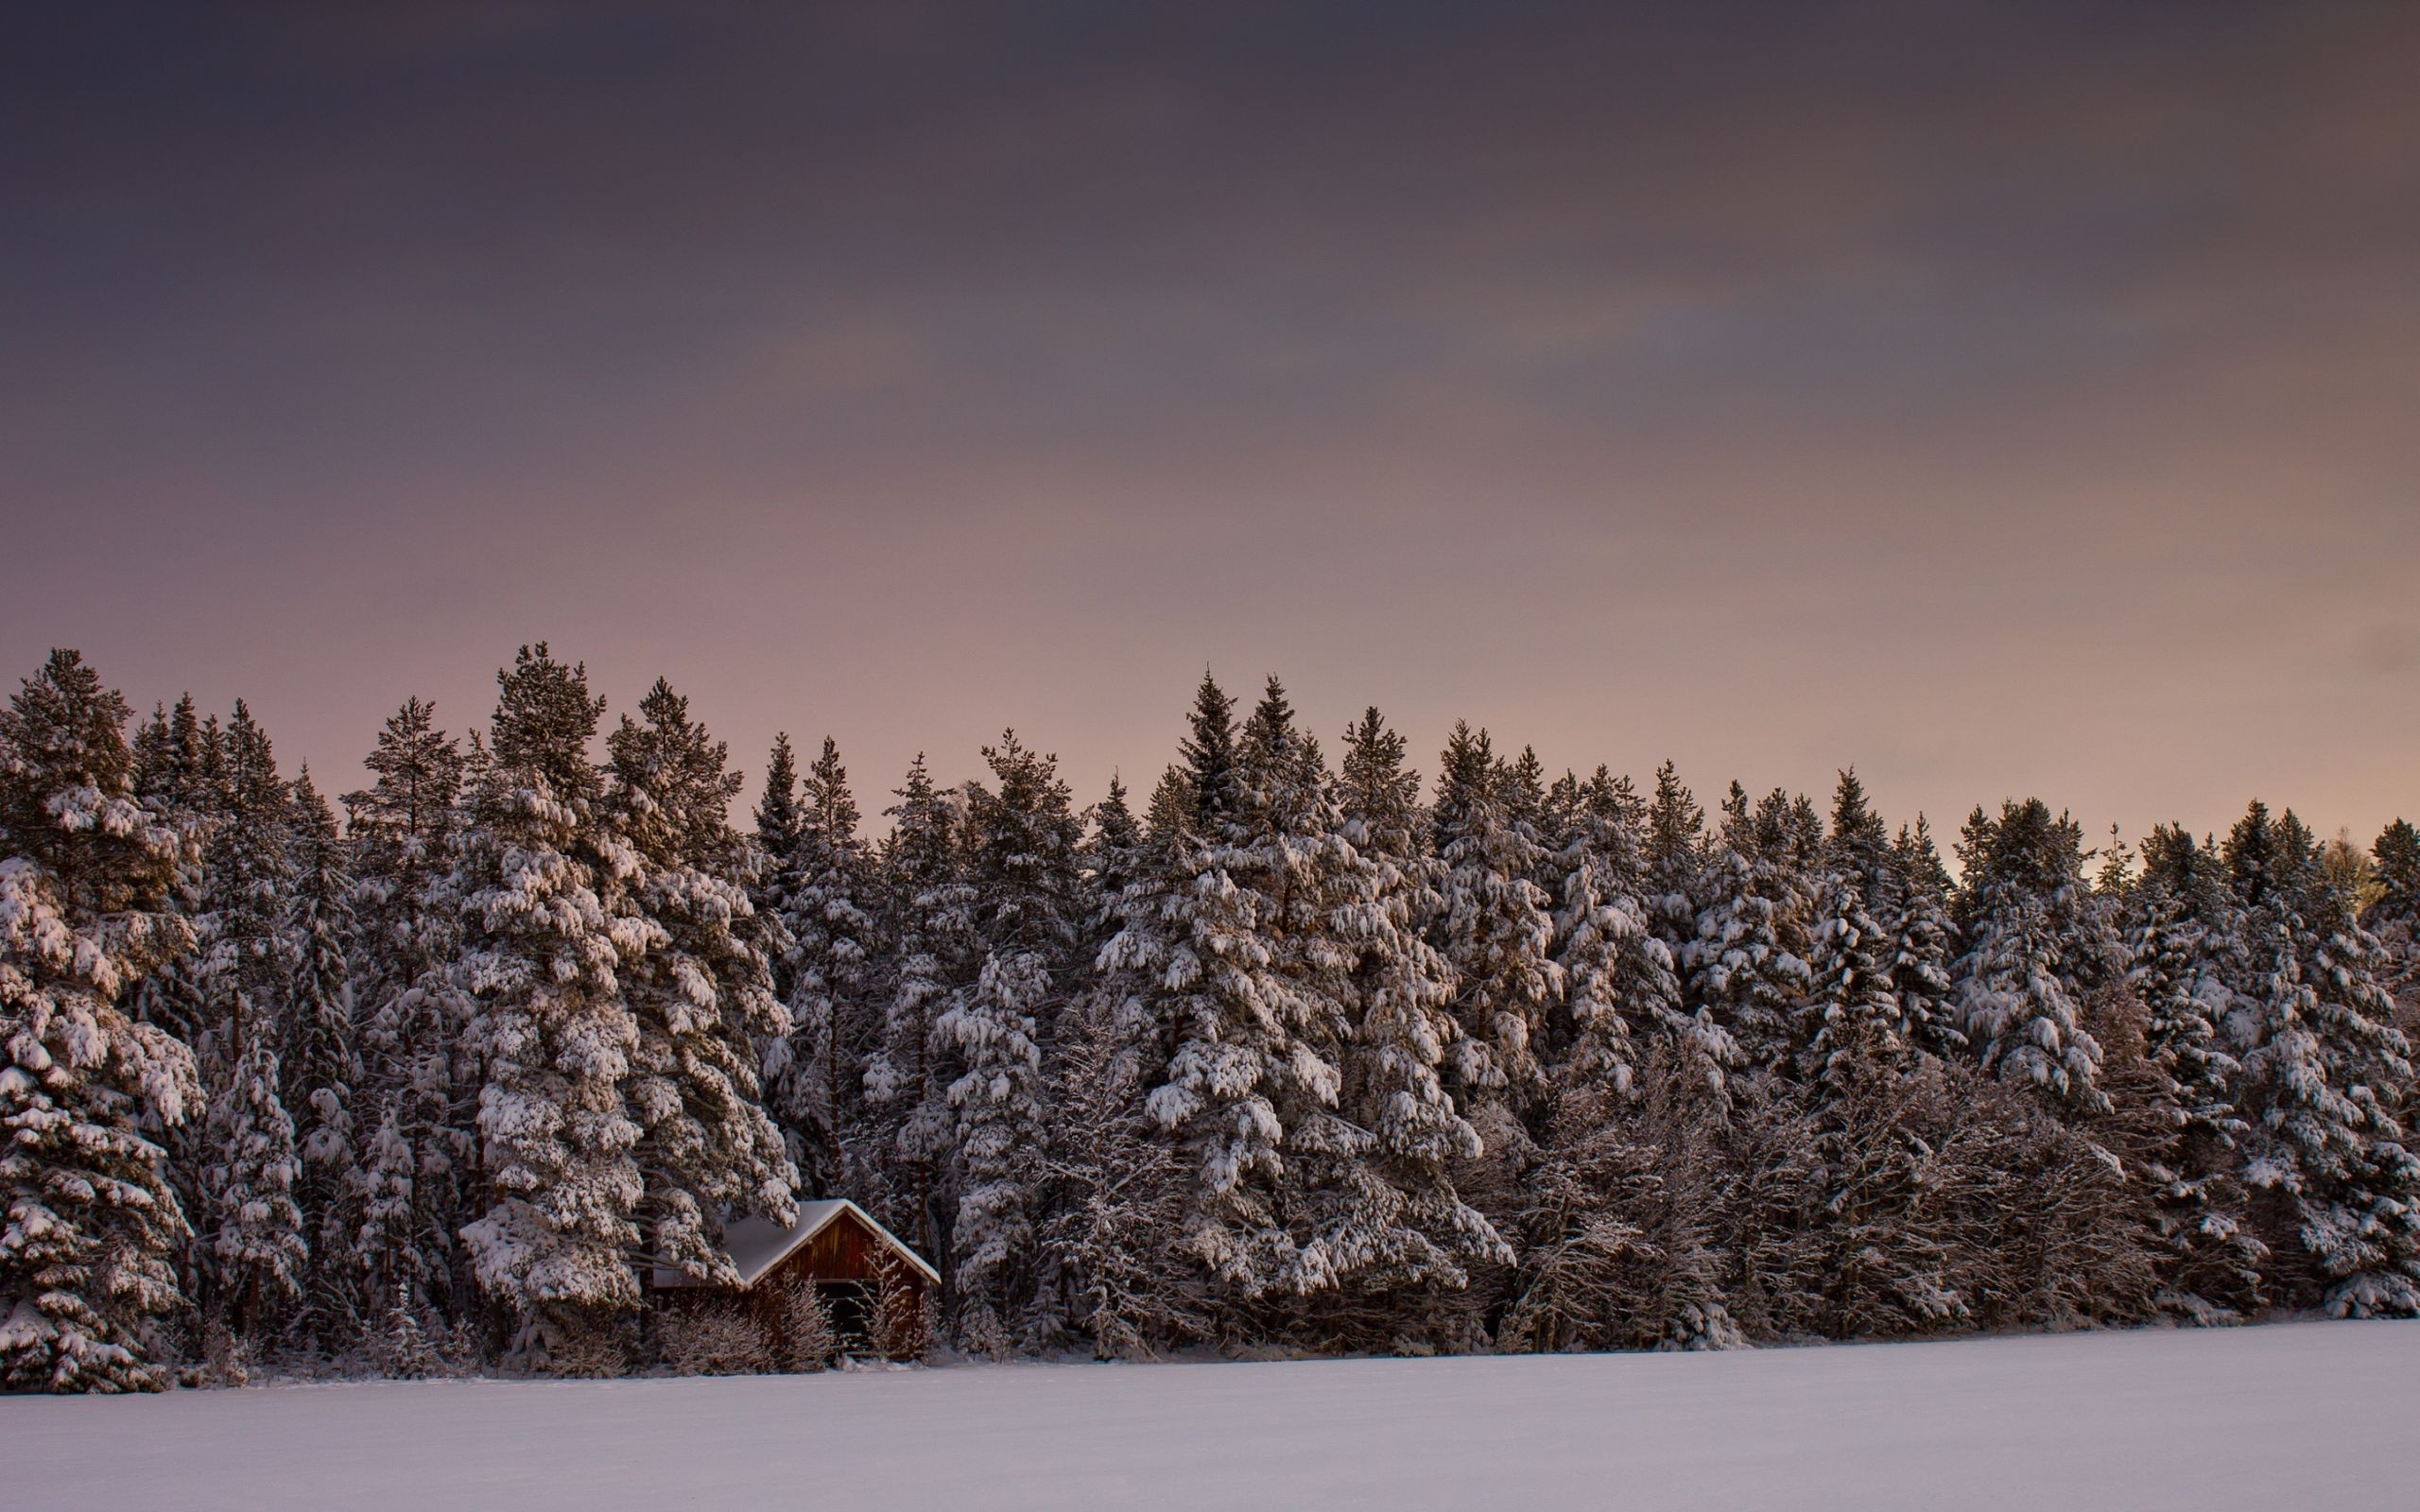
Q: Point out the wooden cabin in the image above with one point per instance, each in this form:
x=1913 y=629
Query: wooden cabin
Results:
x=874 y=1286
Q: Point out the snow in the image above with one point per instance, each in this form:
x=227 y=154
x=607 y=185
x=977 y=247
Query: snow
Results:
x=2302 y=1415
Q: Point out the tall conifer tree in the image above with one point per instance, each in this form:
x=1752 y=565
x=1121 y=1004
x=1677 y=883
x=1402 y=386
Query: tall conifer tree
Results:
x=417 y=1116
x=322 y=1062
x=254 y=1250
x=1494 y=928
x=548 y=938
x=826 y=902
x=2035 y=941
x=701 y=994
x=92 y=1225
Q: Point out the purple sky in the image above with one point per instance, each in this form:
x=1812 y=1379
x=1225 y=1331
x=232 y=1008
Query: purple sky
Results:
x=2004 y=399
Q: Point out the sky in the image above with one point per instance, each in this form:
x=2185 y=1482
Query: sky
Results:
x=2002 y=399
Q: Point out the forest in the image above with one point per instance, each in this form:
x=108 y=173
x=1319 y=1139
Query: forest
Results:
x=1292 y=1056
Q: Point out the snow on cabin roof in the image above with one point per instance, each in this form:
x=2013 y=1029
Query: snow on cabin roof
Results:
x=756 y=1245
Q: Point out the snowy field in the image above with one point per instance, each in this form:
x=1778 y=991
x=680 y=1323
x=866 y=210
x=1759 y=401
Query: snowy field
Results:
x=2314 y=1415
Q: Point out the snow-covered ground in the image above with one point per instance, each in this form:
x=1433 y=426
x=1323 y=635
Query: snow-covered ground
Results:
x=2315 y=1416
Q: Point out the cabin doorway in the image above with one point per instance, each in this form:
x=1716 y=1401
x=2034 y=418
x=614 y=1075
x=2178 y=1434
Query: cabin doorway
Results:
x=850 y=1306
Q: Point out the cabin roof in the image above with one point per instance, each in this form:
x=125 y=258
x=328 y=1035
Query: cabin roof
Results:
x=756 y=1245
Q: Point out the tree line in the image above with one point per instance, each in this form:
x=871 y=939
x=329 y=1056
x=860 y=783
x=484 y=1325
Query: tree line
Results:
x=1303 y=1057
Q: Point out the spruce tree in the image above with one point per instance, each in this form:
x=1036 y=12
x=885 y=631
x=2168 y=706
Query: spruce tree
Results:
x=825 y=901
x=1852 y=1010
x=2036 y=945
x=2324 y=1077
x=1494 y=927
x=1113 y=854
x=1208 y=756
x=1388 y=1213
x=416 y=1117
x=321 y=1063
x=702 y=993
x=1675 y=859
x=1621 y=980
x=779 y=821
x=1747 y=964
x=1853 y=1005
x=91 y=1223
x=2181 y=933
x=929 y=922
x=1021 y=865
x=547 y=938
x=255 y=1249
x=1250 y=993
x=2394 y=916
x=1921 y=930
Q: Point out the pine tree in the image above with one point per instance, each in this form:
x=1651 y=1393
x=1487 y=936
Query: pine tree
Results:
x=2394 y=916
x=1022 y=860
x=1747 y=964
x=1853 y=1006
x=93 y=1225
x=2397 y=858
x=547 y=940
x=701 y=994
x=1388 y=1213
x=1250 y=989
x=254 y=1250
x=930 y=919
x=1852 y=1011
x=257 y=1252
x=415 y=1120
x=2181 y=930
x=779 y=820
x=2324 y=1074
x=1920 y=943
x=1675 y=859
x=1621 y=980
x=1113 y=854
x=1208 y=754
x=2035 y=942
x=321 y=1062
x=1494 y=928
x=826 y=903
x=1859 y=844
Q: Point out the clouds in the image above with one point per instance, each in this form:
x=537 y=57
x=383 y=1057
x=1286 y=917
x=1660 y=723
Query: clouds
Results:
x=1740 y=367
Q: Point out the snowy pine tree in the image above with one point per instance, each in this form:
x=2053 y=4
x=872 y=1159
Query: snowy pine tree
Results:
x=2324 y=1074
x=1494 y=927
x=1921 y=931
x=1747 y=964
x=254 y=1251
x=2394 y=916
x=929 y=921
x=824 y=895
x=1621 y=980
x=546 y=941
x=415 y=1120
x=2182 y=932
x=701 y=994
x=92 y=1226
x=257 y=1253
x=1387 y=1211
x=2035 y=941
x=1021 y=845
x=322 y=1063
x=1249 y=991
